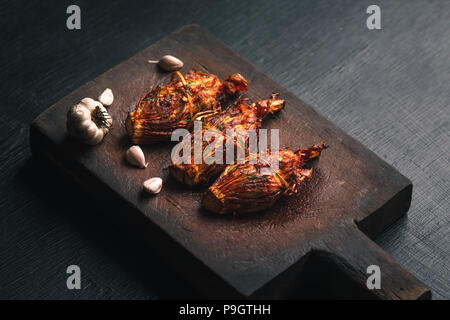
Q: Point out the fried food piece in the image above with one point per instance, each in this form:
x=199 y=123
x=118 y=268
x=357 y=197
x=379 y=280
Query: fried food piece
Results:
x=240 y=117
x=173 y=105
x=249 y=187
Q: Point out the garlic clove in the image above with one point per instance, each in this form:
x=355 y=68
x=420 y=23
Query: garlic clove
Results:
x=135 y=156
x=153 y=185
x=106 y=97
x=169 y=63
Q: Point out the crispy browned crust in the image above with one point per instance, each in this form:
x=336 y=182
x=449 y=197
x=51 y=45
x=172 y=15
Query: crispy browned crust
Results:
x=243 y=188
x=237 y=117
x=169 y=107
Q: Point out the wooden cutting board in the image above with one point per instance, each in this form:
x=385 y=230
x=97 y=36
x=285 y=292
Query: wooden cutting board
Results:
x=314 y=244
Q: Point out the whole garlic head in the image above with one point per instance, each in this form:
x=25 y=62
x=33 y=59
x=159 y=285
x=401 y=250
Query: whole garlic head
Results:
x=153 y=185
x=88 y=121
x=106 y=97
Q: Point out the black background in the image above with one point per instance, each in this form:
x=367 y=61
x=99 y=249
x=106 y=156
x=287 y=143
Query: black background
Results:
x=390 y=89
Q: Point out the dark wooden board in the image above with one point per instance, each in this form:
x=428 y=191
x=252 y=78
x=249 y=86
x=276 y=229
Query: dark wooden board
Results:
x=315 y=239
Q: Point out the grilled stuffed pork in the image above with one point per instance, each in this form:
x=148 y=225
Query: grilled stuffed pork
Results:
x=173 y=105
x=241 y=118
x=249 y=187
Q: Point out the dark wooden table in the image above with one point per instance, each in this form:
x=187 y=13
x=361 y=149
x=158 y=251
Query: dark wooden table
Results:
x=389 y=89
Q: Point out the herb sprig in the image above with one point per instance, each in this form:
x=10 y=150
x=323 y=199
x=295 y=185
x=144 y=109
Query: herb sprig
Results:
x=253 y=176
x=186 y=89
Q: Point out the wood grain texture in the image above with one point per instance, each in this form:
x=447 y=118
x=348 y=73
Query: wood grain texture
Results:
x=242 y=256
x=388 y=89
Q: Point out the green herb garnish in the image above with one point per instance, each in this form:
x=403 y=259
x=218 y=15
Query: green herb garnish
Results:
x=253 y=176
x=186 y=88
x=220 y=126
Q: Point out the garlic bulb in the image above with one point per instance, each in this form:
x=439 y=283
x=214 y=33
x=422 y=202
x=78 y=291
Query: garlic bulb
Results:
x=135 y=156
x=91 y=103
x=88 y=121
x=106 y=97
x=169 y=63
x=153 y=185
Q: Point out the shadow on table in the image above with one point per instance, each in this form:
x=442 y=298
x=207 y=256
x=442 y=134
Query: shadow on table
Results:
x=124 y=244
x=95 y=222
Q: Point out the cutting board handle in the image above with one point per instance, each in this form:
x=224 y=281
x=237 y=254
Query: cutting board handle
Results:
x=352 y=252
